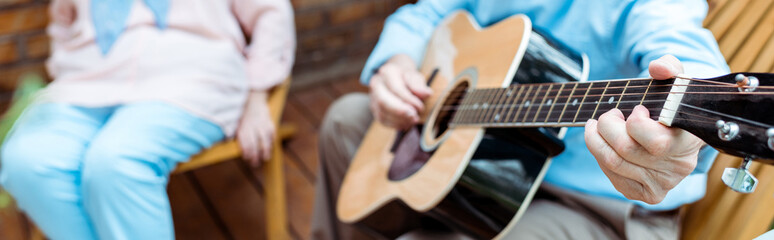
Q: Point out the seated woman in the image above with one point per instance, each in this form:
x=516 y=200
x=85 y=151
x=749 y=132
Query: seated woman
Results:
x=140 y=86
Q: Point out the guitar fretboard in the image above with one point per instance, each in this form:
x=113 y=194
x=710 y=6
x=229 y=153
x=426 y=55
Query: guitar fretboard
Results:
x=556 y=104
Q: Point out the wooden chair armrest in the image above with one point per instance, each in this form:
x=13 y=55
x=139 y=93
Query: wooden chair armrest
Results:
x=230 y=149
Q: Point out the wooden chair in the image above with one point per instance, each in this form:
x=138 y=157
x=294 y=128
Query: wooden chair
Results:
x=745 y=33
x=272 y=170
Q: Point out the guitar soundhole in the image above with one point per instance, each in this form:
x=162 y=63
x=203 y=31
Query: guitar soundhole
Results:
x=448 y=109
x=409 y=156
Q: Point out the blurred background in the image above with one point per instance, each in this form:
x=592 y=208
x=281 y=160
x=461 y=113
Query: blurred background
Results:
x=335 y=37
x=219 y=202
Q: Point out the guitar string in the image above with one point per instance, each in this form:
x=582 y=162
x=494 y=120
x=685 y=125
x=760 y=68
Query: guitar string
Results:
x=723 y=84
x=507 y=106
x=716 y=83
x=650 y=110
x=764 y=125
x=578 y=123
x=478 y=113
x=564 y=97
x=630 y=88
x=458 y=95
x=554 y=123
x=538 y=112
x=656 y=117
x=525 y=103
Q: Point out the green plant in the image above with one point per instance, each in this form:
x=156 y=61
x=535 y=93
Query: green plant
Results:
x=28 y=86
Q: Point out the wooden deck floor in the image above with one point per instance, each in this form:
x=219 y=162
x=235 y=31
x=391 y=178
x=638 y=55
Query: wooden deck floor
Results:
x=233 y=208
x=240 y=206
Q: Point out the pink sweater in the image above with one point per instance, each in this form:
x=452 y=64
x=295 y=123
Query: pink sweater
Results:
x=201 y=62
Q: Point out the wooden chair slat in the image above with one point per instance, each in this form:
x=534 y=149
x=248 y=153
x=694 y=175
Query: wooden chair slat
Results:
x=725 y=214
x=699 y=212
x=765 y=60
x=715 y=6
x=742 y=28
x=726 y=17
x=723 y=208
x=272 y=170
x=750 y=50
x=749 y=213
x=728 y=211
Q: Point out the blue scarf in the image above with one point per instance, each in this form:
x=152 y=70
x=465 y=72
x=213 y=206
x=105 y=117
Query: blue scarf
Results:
x=109 y=17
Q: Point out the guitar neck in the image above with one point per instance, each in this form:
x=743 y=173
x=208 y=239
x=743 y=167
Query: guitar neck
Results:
x=555 y=104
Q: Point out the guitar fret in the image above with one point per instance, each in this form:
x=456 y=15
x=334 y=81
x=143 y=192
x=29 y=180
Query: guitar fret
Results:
x=521 y=105
x=542 y=103
x=531 y=103
x=464 y=107
x=498 y=113
x=574 y=119
x=622 y=94
x=646 y=92
x=568 y=102
x=600 y=100
x=490 y=104
x=483 y=105
x=559 y=93
x=486 y=104
x=474 y=106
x=512 y=104
x=500 y=94
x=633 y=97
x=504 y=104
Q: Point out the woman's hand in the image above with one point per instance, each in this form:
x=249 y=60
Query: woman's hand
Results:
x=256 y=130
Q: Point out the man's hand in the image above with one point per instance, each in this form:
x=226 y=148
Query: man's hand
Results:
x=397 y=91
x=643 y=158
x=256 y=130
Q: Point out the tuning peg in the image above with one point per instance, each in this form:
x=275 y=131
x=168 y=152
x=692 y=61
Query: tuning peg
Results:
x=770 y=134
x=727 y=130
x=740 y=179
x=745 y=83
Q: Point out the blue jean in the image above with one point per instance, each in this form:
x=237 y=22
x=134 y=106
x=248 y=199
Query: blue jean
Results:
x=88 y=173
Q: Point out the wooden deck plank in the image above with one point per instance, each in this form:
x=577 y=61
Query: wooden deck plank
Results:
x=303 y=146
x=189 y=215
x=313 y=102
x=238 y=203
x=300 y=197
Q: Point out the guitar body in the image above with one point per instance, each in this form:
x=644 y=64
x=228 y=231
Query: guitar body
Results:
x=474 y=180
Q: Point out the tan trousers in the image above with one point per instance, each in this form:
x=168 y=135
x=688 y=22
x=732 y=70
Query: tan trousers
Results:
x=554 y=213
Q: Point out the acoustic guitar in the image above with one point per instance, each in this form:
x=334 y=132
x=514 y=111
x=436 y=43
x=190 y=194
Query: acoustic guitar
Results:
x=502 y=96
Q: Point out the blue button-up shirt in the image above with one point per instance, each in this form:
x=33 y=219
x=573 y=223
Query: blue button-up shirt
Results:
x=620 y=38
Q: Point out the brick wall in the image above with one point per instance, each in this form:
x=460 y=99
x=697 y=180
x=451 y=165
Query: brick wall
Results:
x=334 y=38
x=23 y=41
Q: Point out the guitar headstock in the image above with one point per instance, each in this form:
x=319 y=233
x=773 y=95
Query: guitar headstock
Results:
x=733 y=113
